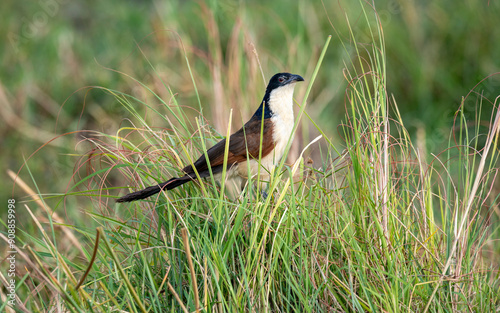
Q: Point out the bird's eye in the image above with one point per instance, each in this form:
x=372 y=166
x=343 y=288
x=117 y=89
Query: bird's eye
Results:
x=281 y=79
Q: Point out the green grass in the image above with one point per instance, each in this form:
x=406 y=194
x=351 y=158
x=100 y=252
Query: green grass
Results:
x=377 y=224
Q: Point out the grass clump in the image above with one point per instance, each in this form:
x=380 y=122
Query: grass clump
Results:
x=377 y=226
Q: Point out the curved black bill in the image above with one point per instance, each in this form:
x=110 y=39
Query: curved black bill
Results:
x=295 y=78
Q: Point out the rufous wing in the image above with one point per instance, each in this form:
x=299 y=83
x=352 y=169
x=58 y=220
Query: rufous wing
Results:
x=243 y=144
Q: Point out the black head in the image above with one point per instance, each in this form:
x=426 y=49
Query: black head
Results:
x=277 y=81
x=282 y=79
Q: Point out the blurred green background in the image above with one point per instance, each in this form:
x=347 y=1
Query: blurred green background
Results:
x=53 y=51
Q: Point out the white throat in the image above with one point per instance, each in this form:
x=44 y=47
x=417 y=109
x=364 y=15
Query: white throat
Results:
x=281 y=105
x=281 y=101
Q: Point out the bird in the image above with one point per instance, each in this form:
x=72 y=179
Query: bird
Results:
x=273 y=119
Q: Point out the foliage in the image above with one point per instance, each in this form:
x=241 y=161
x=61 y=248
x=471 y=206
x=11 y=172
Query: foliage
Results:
x=374 y=223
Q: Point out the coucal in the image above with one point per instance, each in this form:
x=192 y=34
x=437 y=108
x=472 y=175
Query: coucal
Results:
x=275 y=112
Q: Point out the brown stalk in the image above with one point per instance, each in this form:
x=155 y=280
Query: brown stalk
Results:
x=94 y=254
x=191 y=268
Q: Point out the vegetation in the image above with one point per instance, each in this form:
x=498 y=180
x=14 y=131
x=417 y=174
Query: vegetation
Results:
x=379 y=217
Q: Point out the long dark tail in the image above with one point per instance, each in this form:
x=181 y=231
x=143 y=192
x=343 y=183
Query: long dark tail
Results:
x=148 y=192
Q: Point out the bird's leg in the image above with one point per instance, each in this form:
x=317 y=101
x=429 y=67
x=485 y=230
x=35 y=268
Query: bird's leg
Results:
x=264 y=194
x=264 y=187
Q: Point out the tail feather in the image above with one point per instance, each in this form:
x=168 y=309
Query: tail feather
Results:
x=148 y=192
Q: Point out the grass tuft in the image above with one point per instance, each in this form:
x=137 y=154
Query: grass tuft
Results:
x=378 y=226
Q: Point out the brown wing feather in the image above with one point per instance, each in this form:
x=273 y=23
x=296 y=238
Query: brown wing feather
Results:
x=248 y=137
x=242 y=144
